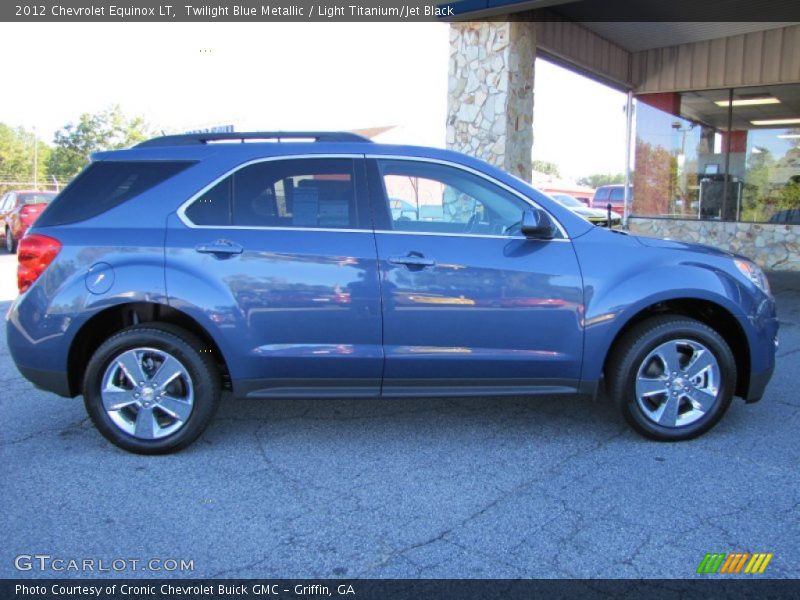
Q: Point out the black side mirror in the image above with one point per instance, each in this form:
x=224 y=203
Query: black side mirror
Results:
x=537 y=224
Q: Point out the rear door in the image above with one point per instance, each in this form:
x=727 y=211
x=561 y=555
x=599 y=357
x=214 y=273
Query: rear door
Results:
x=278 y=260
x=470 y=306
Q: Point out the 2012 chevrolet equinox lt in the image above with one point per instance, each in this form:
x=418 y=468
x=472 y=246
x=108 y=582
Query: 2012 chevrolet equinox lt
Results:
x=329 y=266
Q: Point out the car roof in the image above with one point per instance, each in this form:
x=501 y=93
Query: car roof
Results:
x=221 y=157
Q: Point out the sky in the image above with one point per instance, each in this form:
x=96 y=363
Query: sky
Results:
x=266 y=76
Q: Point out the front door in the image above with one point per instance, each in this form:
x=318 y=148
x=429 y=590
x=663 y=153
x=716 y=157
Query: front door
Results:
x=470 y=306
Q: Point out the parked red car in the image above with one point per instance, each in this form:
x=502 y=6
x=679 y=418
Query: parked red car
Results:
x=613 y=194
x=18 y=210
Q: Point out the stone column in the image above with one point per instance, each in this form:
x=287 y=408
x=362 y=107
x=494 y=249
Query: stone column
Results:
x=490 y=93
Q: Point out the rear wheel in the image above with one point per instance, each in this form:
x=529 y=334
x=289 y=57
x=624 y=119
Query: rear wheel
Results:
x=149 y=390
x=672 y=377
x=11 y=243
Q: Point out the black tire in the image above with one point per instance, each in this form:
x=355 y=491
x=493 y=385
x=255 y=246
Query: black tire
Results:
x=199 y=381
x=629 y=356
x=11 y=243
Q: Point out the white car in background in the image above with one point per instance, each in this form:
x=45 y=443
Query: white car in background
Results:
x=593 y=215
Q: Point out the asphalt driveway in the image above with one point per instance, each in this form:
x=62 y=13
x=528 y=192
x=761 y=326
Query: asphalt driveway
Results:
x=497 y=488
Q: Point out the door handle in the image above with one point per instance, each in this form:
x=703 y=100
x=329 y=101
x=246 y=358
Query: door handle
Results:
x=219 y=247
x=413 y=259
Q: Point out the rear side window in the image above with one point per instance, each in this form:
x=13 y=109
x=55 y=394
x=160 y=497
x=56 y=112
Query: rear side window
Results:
x=104 y=185
x=36 y=198
x=309 y=192
x=617 y=194
x=601 y=193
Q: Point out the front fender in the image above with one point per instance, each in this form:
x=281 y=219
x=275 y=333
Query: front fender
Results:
x=625 y=278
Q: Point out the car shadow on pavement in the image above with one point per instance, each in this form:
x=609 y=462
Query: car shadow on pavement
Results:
x=464 y=419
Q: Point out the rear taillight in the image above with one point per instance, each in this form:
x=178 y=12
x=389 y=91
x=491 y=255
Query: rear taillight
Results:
x=35 y=253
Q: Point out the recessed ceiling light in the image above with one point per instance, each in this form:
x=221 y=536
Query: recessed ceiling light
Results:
x=776 y=122
x=749 y=101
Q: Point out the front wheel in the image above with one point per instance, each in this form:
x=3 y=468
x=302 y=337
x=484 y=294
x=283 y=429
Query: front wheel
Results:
x=149 y=389
x=672 y=377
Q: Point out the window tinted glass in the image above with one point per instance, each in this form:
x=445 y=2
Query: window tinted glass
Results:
x=104 y=185
x=434 y=198
x=617 y=194
x=214 y=206
x=601 y=193
x=282 y=193
x=43 y=198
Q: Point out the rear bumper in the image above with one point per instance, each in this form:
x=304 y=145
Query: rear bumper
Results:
x=39 y=360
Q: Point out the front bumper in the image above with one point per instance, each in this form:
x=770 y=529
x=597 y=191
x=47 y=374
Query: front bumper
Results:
x=763 y=347
x=758 y=384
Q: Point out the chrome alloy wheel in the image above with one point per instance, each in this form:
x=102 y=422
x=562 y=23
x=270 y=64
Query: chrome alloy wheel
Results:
x=147 y=393
x=678 y=383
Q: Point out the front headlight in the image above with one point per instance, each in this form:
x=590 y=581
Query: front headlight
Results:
x=754 y=273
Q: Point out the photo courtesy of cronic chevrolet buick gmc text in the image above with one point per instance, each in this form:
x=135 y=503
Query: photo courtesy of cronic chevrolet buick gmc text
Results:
x=185 y=266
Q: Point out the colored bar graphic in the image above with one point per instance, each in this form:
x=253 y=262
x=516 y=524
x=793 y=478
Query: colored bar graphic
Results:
x=733 y=562
x=758 y=563
x=741 y=562
x=711 y=563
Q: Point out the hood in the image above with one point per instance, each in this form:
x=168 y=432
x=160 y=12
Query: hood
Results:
x=653 y=242
x=591 y=212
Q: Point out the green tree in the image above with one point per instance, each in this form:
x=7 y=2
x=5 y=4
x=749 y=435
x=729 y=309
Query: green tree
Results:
x=655 y=179
x=548 y=168
x=17 y=157
x=790 y=195
x=106 y=130
x=598 y=179
x=757 y=196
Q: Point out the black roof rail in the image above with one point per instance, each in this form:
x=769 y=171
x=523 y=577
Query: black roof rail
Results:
x=189 y=139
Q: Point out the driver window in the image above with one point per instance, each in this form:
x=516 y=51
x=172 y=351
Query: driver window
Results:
x=433 y=198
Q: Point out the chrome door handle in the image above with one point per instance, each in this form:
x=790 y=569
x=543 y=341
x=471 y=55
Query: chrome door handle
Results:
x=412 y=260
x=219 y=247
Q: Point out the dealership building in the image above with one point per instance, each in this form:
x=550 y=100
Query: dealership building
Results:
x=713 y=136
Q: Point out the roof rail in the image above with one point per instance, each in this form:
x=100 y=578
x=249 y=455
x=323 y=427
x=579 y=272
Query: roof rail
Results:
x=190 y=139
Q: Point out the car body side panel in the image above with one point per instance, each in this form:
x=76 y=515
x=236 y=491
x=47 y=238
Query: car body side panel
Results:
x=43 y=322
x=296 y=311
x=502 y=312
x=624 y=277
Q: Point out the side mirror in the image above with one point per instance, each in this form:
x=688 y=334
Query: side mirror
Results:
x=537 y=224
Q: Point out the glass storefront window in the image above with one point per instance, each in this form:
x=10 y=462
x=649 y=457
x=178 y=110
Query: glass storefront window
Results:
x=772 y=176
x=700 y=156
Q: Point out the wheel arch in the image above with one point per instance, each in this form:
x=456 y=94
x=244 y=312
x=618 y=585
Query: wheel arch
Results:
x=110 y=320
x=716 y=316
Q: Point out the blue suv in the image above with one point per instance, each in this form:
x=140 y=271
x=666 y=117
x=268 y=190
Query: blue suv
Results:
x=188 y=265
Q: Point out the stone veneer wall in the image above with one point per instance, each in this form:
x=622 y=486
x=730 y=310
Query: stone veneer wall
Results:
x=772 y=246
x=490 y=93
